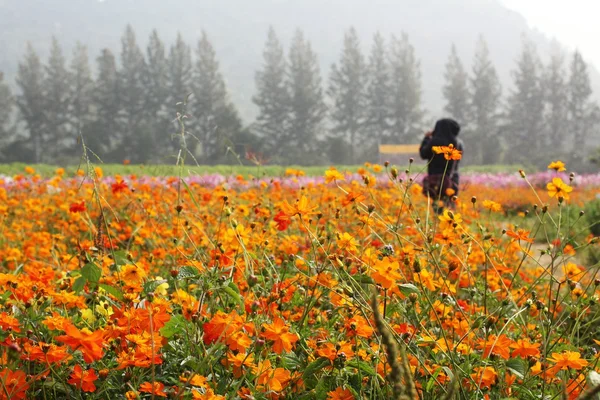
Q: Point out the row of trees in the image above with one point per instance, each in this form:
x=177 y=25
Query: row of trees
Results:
x=128 y=110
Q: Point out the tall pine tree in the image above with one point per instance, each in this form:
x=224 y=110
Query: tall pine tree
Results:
x=31 y=104
x=6 y=110
x=456 y=90
x=57 y=90
x=307 y=107
x=484 y=105
x=378 y=95
x=106 y=131
x=583 y=111
x=272 y=98
x=347 y=93
x=136 y=143
x=178 y=87
x=556 y=102
x=525 y=110
x=216 y=120
x=405 y=110
x=155 y=78
x=82 y=90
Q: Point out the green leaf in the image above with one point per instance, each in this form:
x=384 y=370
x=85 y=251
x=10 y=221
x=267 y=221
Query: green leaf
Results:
x=121 y=257
x=362 y=366
x=111 y=290
x=188 y=272
x=79 y=284
x=91 y=272
x=516 y=366
x=175 y=325
x=315 y=367
x=235 y=295
x=151 y=286
x=408 y=288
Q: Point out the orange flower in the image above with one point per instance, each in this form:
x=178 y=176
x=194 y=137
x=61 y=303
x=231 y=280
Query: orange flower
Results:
x=155 y=388
x=274 y=379
x=566 y=360
x=340 y=394
x=558 y=166
x=13 y=385
x=449 y=152
x=386 y=273
x=90 y=343
x=498 y=345
x=484 y=377
x=77 y=207
x=524 y=348
x=83 y=380
x=358 y=326
x=279 y=334
x=520 y=234
x=557 y=188
x=119 y=186
x=347 y=242
x=301 y=208
x=282 y=220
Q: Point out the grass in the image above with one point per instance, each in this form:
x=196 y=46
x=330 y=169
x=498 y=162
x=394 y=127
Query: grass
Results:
x=46 y=170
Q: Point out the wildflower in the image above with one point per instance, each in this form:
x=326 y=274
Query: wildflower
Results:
x=558 y=166
x=333 y=175
x=492 y=206
x=449 y=152
x=238 y=361
x=498 y=345
x=83 y=380
x=119 y=186
x=90 y=343
x=566 y=360
x=524 y=348
x=347 y=242
x=282 y=220
x=301 y=207
x=386 y=273
x=274 y=379
x=557 y=188
x=132 y=273
x=155 y=388
x=279 y=334
x=13 y=384
x=77 y=207
x=520 y=234
x=29 y=170
x=484 y=377
x=340 y=394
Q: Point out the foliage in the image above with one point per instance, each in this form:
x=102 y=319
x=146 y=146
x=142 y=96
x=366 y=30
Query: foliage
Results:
x=343 y=287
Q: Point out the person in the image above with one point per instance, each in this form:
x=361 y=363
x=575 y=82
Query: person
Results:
x=439 y=169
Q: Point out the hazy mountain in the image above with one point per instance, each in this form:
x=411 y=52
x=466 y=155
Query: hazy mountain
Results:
x=238 y=30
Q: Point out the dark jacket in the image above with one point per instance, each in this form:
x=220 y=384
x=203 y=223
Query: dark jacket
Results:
x=445 y=133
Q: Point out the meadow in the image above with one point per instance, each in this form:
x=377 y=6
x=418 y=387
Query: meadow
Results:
x=336 y=284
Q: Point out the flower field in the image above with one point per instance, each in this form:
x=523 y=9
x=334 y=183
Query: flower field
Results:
x=343 y=286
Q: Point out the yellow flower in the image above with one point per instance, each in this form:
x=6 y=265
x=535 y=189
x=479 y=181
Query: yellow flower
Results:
x=449 y=152
x=162 y=288
x=88 y=315
x=332 y=175
x=103 y=308
x=558 y=166
x=557 y=188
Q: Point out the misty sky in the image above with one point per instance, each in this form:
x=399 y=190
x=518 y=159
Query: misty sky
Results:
x=572 y=22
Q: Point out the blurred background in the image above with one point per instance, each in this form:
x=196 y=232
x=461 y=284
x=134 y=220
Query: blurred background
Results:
x=308 y=82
